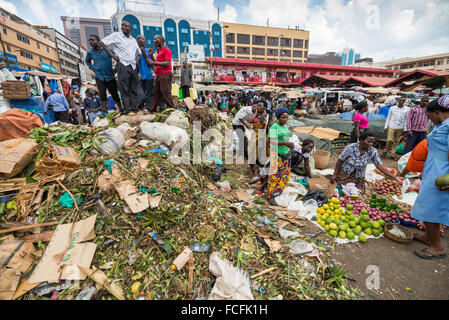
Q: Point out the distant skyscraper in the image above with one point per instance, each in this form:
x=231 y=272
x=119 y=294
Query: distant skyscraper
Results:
x=348 y=56
x=79 y=29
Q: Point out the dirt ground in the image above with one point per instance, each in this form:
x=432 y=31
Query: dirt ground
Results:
x=402 y=275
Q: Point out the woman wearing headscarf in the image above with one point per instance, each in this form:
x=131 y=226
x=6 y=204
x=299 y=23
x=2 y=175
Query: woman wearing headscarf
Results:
x=360 y=121
x=431 y=206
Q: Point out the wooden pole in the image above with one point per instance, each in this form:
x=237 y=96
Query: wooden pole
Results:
x=4 y=52
x=31 y=226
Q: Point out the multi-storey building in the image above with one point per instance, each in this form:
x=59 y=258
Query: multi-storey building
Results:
x=265 y=43
x=327 y=58
x=68 y=52
x=348 y=56
x=79 y=29
x=27 y=48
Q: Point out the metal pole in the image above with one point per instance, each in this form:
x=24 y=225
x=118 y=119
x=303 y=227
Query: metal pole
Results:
x=210 y=49
x=4 y=53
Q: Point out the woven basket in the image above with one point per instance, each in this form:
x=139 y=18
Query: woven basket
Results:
x=315 y=183
x=391 y=236
x=321 y=159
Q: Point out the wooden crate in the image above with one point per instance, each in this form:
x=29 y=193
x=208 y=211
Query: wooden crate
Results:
x=19 y=90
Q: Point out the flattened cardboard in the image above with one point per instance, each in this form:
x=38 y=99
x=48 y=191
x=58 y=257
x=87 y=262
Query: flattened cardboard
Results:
x=66 y=253
x=189 y=103
x=136 y=201
x=154 y=201
x=15 y=155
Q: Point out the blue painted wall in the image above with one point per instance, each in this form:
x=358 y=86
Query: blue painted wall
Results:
x=202 y=37
x=184 y=35
x=149 y=32
x=171 y=38
x=216 y=40
x=135 y=24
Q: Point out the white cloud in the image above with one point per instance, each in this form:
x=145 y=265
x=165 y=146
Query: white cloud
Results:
x=41 y=15
x=229 y=14
x=8 y=6
x=405 y=28
x=105 y=8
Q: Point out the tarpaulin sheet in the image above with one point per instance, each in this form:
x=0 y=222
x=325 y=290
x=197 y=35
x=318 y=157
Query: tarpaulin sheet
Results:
x=17 y=123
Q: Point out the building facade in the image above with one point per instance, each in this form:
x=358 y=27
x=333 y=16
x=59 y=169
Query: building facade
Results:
x=79 y=29
x=27 y=48
x=348 y=56
x=265 y=43
x=68 y=52
x=438 y=62
x=328 y=58
x=283 y=73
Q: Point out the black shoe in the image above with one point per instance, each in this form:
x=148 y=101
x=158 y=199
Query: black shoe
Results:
x=273 y=202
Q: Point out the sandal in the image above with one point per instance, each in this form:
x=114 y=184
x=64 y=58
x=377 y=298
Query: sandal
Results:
x=434 y=254
x=415 y=237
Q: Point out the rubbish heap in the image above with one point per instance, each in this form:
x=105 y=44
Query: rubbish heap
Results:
x=104 y=213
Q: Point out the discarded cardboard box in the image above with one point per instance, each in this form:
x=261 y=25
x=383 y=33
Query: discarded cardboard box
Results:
x=66 y=252
x=16 y=256
x=189 y=103
x=15 y=155
x=58 y=159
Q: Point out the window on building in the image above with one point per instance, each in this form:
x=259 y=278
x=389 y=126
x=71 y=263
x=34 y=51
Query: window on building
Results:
x=286 y=53
x=40 y=59
x=243 y=38
x=5 y=31
x=217 y=33
x=8 y=47
x=38 y=44
x=259 y=40
x=183 y=44
x=230 y=49
x=286 y=42
x=171 y=43
x=297 y=54
x=170 y=29
x=272 y=41
x=258 y=51
x=23 y=38
x=217 y=46
x=298 y=43
x=48 y=49
x=440 y=62
x=243 y=50
x=306 y=54
x=26 y=54
x=230 y=37
x=272 y=52
x=306 y=44
x=184 y=30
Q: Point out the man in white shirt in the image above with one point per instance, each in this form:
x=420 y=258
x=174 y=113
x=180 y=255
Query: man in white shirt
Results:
x=239 y=124
x=395 y=126
x=125 y=48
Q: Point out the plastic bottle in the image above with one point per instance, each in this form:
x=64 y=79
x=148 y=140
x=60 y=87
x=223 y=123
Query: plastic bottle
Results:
x=86 y=293
x=200 y=247
x=265 y=221
x=101 y=208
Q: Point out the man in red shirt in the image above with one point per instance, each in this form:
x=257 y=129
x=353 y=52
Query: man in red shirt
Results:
x=164 y=74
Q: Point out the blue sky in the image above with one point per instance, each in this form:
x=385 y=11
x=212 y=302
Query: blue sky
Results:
x=381 y=29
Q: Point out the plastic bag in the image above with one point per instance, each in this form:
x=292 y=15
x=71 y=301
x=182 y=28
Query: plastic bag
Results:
x=287 y=233
x=316 y=195
x=173 y=137
x=405 y=185
x=370 y=175
x=289 y=195
x=100 y=123
x=109 y=141
x=300 y=246
x=178 y=119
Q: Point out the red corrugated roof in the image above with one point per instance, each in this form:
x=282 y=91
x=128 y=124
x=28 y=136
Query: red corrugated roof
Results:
x=370 y=81
x=397 y=81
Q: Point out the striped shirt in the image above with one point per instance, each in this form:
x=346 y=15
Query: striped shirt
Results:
x=417 y=120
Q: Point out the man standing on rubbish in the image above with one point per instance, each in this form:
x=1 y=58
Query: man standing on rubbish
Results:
x=186 y=80
x=104 y=76
x=145 y=71
x=416 y=125
x=59 y=105
x=164 y=74
x=394 y=127
x=125 y=48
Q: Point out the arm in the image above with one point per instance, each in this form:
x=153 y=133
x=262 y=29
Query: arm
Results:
x=387 y=172
x=333 y=179
x=89 y=62
x=408 y=122
x=387 y=122
x=113 y=56
x=307 y=167
x=46 y=105
x=66 y=105
x=404 y=172
x=357 y=129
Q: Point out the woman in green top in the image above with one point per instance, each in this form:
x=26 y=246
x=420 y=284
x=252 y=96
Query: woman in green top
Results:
x=279 y=174
x=293 y=106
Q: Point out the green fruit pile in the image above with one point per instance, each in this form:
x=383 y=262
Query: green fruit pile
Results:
x=344 y=224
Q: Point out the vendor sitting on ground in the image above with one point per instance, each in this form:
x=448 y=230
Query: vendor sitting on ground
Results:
x=352 y=163
x=417 y=159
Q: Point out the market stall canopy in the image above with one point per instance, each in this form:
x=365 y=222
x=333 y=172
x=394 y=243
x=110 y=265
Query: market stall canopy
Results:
x=49 y=76
x=318 y=80
x=319 y=132
x=433 y=82
x=378 y=90
x=365 y=81
x=291 y=94
x=414 y=75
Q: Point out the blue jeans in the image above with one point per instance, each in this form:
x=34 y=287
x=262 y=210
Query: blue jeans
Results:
x=94 y=115
x=147 y=86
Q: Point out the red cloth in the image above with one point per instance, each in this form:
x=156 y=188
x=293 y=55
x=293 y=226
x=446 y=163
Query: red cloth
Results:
x=418 y=157
x=163 y=55
x=17 y=123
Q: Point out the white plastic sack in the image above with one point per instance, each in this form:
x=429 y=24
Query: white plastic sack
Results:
x=296 y=206
x=124 y=127
x=178 y=118
x=370 y=175
x=311 y=206
x=231 y=283
x=402 y=163
x=109 y=141
x=100 y=122
x=300 y=246
x=286 y=233
x=173 y=137
x=405 y=185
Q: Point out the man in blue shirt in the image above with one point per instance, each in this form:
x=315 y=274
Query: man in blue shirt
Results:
x=59 y=105
x=93 y=106
x=104 y=75
x=145 y=71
